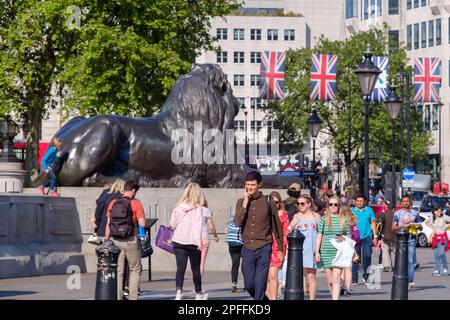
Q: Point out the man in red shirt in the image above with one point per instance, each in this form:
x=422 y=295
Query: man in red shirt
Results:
x=129 y=245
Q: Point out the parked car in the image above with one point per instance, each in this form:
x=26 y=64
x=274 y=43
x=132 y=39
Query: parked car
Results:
x=430 y=201
x=423 y=238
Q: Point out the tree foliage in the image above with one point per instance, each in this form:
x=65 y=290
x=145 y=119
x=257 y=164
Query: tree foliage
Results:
x=343 y=119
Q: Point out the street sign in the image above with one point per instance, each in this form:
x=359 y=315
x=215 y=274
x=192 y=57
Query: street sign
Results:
x=408 y=184
x=408 y=174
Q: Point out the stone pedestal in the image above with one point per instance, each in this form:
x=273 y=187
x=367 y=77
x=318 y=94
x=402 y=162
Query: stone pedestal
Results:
x=12 y=177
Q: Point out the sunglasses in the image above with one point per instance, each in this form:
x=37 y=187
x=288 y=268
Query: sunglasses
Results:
x=333 y=204
x=276 y=201
x=302 y=203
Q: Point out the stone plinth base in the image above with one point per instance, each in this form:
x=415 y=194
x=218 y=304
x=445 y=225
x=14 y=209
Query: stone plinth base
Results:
x=12 y=176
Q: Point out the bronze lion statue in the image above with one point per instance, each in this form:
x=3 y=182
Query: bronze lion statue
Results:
x=103 y=148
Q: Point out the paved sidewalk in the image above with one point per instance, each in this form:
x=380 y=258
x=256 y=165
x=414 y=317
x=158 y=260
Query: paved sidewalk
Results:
x=217 y=284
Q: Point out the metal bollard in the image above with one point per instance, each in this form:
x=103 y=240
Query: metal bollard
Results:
x=106 y=283
x=294 y=273
x=400 y=278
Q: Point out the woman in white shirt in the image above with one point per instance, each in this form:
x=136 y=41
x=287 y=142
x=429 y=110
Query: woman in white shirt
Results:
x=440 y=243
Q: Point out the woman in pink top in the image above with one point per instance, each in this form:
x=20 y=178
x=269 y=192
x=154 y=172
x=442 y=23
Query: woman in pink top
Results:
x=187 y=221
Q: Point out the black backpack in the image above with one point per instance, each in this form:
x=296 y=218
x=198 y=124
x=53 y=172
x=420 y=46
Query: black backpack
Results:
x=121 y=219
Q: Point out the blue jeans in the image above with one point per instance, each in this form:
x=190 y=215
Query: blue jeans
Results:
x=51 y=181
x=439 y=256
x=411 y=258
x=365 y=246
x=255 y=269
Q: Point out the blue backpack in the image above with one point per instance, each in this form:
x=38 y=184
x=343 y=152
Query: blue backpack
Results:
x=234 y=238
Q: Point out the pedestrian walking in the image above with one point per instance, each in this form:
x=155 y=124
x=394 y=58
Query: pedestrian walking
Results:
x=275 y=262
x=290 y=204
x=347 y=276
x=123 y=215
x=406 y=217
x=440 y=244
x=332 y=226
x=257 y=215
x=48 y=163
x=307 y=221
x=388 y=241
x=368 y=236
x=187 y=240
x=235 y=244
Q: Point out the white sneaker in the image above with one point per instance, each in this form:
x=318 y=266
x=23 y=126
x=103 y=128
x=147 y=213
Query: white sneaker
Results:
x=179 y=295
x=436 y=273
x=411 y=286
x=445 y=273
x=93 y=239
x=201 y=296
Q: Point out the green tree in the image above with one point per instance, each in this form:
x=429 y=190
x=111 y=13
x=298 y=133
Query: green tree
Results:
x=100 y=56
x=343 y=119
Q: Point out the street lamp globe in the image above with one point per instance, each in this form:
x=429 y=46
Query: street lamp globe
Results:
x=393 y=103
x=367 y=74
x=314 y=124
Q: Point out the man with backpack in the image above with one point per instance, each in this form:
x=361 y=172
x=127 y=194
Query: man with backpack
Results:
x=123 y=215
x=257 y=215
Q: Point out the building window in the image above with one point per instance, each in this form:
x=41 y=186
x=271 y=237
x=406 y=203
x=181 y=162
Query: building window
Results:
x=408 y=4
x=431 y=33
x=416 y=36
x=255 y=34
x=222 y=57
x=416 y=3
x=254 y=80
x=241 y=102
x=351 y=8
x=372 y=9
x=255 y=57
x=239 y=125
x=438 y=32
x=426 y=118
x=238 y=57
x=424 y=3
x=289 y=35
x=424 y=34
x=272 y=34
x=379 y=8
x=257 y=125
x=409 y=37
x=435 y=117
x=449 y=73
x=222 y=34
x=366 y=9
x=394 y=39
x=255 y=103
x=393 y=7
x=238 y=34
x=239 y=80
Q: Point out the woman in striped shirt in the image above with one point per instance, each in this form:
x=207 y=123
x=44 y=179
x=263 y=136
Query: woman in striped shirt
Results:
x=332 y=225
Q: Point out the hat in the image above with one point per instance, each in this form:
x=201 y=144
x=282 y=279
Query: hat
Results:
x=295 y=186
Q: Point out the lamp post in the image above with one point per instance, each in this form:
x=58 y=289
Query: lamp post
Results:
x=8 y=130
x=314 y=125
x=244 y=109
x=440 y=104
x=367 y=74
x=393 y=105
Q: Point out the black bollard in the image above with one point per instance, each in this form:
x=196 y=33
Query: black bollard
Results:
x=400 y=278
x=294 y=273
x=106 y=283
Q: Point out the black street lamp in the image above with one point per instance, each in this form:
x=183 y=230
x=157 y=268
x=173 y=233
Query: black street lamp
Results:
x=394 y=105
x=244 y=109
x=440 y=105
x=8 y=130
x=367 y=74
x=314 y=125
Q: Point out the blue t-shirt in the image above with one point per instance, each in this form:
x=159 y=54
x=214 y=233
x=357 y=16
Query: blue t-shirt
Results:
x=365 y=217
x=49 y=157
x=401 y=214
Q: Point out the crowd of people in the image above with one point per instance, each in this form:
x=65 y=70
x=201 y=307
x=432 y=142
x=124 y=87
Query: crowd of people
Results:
x=340 y=234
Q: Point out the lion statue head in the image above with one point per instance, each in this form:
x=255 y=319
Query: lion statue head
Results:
x=203 y=95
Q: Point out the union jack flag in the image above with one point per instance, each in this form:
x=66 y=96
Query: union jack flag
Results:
x=380 y=91
x=271 y=84
x=427 y=79
x=323 y=77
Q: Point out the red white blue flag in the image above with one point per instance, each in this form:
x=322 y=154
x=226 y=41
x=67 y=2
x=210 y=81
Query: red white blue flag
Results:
x=427 y=79
x=380 y=91
x=323 y=77
x=271 y=84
